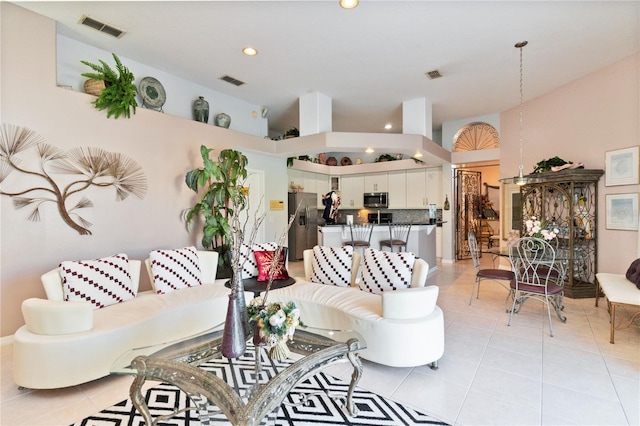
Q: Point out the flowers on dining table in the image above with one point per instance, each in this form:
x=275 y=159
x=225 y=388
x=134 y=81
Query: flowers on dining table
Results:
x=538 y=229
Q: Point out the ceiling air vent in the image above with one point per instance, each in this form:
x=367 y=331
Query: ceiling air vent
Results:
x=101 y=26
x=232 y=80
x=431 y=75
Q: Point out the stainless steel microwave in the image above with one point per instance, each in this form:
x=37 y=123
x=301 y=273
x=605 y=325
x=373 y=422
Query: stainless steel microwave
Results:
x=376 y=200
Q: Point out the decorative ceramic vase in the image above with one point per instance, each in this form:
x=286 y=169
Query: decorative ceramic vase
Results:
x=236 y=325
x=223 y=120
x=446 y=202
x=201 y=110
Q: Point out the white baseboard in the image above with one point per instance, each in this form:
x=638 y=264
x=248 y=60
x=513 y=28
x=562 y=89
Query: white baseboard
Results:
x=6 y=340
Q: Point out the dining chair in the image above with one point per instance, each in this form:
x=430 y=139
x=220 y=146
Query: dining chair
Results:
x=536 y=276
x=360 y=236
x=501 y=276
x=398 y=236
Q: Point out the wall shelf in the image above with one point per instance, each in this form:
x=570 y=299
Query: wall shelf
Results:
x=383 y=166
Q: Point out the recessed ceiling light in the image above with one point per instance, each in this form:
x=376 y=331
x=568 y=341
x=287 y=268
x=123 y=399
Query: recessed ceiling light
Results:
x=418 y=154
x=249 y=51
x=388 y=126
x=348 y=4
x=369 y=150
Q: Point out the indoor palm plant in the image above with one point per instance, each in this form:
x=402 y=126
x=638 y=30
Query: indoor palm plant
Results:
x=224 y=197
x=119 y=94
x=224 y=194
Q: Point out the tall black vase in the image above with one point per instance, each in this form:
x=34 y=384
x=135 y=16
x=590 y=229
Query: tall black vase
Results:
x=236 y=326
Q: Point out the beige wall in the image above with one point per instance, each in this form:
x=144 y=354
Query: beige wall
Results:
x=165 y=146
x=579 y=122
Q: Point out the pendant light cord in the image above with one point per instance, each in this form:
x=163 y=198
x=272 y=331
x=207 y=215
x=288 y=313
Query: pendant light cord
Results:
x=521 y=181
x=521 y=115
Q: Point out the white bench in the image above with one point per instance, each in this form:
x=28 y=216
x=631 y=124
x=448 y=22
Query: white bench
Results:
x=618 y=291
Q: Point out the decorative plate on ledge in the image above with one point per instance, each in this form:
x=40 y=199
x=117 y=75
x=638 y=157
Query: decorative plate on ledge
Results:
x=152 y=93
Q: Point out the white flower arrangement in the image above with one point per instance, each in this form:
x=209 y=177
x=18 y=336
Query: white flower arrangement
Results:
x=275 y=324
x=538 y=229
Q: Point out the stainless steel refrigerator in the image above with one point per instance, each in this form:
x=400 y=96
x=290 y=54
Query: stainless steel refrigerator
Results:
x=303 y=233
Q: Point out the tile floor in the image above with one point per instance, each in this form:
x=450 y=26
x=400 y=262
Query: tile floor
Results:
x=489 y=374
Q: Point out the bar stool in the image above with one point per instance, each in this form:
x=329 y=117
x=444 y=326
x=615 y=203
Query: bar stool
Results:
x=360 y=236
x=398 y=236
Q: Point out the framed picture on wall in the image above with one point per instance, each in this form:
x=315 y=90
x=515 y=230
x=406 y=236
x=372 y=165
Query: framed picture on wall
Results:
x=511 y=211
x=622 y=211
x=622 y=167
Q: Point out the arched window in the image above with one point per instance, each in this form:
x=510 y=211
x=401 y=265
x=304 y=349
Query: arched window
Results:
x=476 y=135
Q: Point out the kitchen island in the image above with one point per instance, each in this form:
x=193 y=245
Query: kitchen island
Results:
x=421 y=242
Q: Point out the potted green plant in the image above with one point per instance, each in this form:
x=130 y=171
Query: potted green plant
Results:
x=291 y=133
x=224 y=197
x=119 y=94
x=222 y=182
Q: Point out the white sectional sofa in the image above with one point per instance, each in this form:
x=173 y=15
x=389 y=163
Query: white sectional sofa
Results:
x=68 y=343
x=402 y=328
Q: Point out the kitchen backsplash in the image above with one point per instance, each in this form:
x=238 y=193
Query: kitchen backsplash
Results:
x=399 y=215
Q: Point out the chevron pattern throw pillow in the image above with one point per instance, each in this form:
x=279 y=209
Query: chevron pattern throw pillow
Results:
x=175 y=269
x=385 y=271
x=102 y=282
x=332 y=265
x=248 y=259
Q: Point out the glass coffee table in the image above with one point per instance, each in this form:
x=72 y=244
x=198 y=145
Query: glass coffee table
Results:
x=177 y=363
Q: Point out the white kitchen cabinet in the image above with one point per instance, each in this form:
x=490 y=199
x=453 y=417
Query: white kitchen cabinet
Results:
x=323 y=187
x=309 y=181
x=416 y=189
x=352 y=188
x=376 y=182
x=439 y=242
x=295 y=178
x=397 y=189
x=434 y=187
x=334 y=183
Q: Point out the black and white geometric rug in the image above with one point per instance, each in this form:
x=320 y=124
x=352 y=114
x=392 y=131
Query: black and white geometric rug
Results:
x=320 y=409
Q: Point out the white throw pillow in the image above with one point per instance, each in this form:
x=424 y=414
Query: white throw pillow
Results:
x=102 y=282
x=332 y=265
x=248 y=260
x=385 y=271
x=175 y=269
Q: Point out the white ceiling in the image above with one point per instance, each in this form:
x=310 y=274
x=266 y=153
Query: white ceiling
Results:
x=367 y=60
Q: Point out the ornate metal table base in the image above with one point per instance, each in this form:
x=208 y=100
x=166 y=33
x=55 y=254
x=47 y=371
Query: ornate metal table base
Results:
x=204 y=387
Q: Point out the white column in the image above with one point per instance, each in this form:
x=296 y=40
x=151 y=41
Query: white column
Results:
x=315 y=113
x=417 y=117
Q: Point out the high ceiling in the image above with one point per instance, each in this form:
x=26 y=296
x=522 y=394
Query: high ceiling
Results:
x=370 y=59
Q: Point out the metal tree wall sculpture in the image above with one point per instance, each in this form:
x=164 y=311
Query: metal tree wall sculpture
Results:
x=88 y=166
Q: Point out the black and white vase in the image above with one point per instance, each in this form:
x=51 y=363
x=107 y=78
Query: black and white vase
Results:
x=201 y=110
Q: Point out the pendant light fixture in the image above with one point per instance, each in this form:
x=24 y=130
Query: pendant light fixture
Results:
x=521 y=180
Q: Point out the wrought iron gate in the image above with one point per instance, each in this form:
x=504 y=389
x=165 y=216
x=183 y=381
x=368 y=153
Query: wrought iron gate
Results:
x=468 y=191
